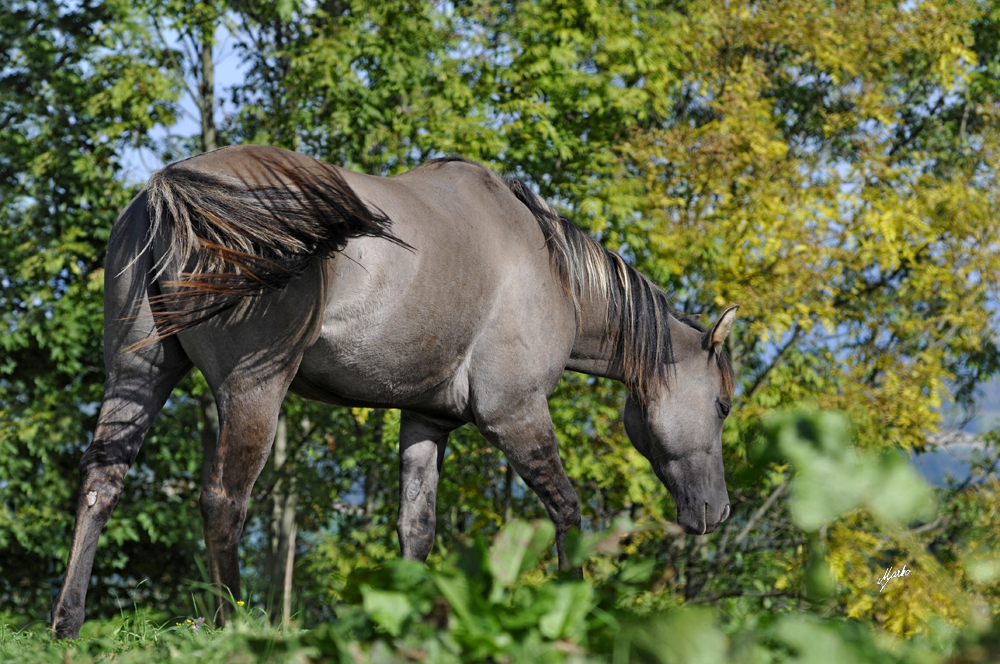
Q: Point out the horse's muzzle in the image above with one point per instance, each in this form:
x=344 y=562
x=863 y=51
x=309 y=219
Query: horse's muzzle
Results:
x=705 y=520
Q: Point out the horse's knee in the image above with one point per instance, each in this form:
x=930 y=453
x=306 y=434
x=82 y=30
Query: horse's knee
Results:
x=213 y=503
x=567 y=515
x=574 y=519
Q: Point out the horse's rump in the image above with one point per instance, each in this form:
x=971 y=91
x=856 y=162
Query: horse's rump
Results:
x=247 y=230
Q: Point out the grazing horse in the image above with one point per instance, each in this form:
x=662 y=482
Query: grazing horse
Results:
x=448 y=292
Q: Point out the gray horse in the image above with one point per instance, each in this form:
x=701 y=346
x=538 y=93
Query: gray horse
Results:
x=447 y=291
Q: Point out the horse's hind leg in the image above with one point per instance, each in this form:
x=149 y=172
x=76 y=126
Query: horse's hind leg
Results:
x=249 y=359
x=137 y=386
x=248 y=415
x=138 y=383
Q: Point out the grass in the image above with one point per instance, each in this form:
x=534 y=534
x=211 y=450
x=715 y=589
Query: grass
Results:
x=135 y=637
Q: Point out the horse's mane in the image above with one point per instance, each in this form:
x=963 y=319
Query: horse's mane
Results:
x=638 y=312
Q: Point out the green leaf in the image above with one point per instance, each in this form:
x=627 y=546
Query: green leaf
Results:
x=387 y=609
x=518 y=548
x=637 y=571
x=570 y=608
x=684 y=636
x=455 y=589
x=819 y=578
x=899 y=494
x=834 y=478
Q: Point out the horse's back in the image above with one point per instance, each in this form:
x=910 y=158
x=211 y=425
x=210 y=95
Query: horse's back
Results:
x=459 y=196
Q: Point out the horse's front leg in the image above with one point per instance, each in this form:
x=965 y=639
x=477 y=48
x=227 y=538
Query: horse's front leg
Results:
x=421 y=453
x=525 y=435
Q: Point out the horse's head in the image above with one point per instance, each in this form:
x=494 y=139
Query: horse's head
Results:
x=680 y=427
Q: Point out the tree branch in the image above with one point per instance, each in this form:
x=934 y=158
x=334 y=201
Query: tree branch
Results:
x=170 y=53
x=744 y=593
x=777 y=358
x=759 y=514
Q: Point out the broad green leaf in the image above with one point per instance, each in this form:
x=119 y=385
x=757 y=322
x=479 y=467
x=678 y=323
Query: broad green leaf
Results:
x=518 y=548
x=387 y=609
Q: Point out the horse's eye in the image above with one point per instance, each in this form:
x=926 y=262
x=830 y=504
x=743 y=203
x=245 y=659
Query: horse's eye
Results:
x=723 y=408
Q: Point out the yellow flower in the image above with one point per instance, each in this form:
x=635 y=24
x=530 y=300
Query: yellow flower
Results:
x=240 y=602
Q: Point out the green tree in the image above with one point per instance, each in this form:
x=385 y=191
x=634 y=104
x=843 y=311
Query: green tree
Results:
x=77 y=88
x=834 y=170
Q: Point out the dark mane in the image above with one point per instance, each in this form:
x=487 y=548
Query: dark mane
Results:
x=639 y=312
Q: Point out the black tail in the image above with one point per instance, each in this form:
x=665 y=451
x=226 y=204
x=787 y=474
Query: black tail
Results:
x=246 y=235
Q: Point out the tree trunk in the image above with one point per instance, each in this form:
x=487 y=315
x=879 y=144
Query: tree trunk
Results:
x=508 y=494
x=283 y=531
x=694 y=569
x=371 y=491
x=599 y=520
x=372 y=484
x=206 y=90
x=286 y=604
x=206 y=105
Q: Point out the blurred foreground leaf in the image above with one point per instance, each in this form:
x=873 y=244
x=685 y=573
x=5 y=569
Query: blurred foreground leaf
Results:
x=833 y=478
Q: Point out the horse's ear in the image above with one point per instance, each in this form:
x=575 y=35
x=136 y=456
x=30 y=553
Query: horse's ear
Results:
x=716 y=336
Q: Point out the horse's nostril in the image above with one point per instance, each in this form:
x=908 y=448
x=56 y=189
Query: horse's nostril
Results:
x=725 y=512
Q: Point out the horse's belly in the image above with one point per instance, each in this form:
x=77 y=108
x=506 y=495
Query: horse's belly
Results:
x=402 y=329
x=423 y=373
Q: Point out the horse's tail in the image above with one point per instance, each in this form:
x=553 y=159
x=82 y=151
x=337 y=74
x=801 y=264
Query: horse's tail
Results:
x=243 y=234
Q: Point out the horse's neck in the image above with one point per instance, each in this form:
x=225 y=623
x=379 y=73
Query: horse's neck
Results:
x=591 y=355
